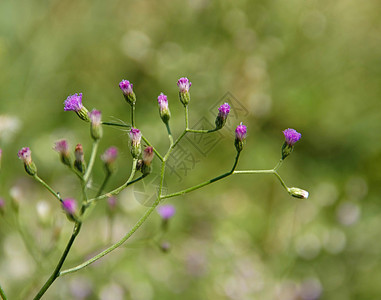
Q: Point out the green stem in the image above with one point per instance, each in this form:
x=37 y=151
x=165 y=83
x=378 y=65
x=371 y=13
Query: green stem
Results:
x=202 y=130
x=94 y=150
x=56 y=272
x=272 y=171
x=47 y=187
x=113 y=247
x=2 y=294
x=122 y=187
x=186 y=118
x=169 y=133
x=116 y=124
x=108 y=175
x=196 y=187
x=133 y=115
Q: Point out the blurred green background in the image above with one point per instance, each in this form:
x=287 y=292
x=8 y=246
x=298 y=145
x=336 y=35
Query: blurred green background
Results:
x=310 y=65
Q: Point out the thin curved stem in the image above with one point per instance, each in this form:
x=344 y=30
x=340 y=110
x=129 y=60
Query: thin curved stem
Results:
x=122 y=187
x=116 y=124
x=56 y=272
x=113 y=247
x=107 y=177
x=47 y=187
x=196 y=187
x=94 y=150
x=272 y=171
x=169 y=133
x=202 y=130
x=133 y=114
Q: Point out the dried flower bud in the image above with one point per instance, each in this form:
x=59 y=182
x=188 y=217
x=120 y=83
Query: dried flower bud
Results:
x=74 y=103
x=165 y=114
x=96 y=124
x=135 y=137
x=223 y=112
x=79 y=162
x=25 y=154
x=128 y=93
x=69 y=205
x=240 y=136
x=144 y=165
x=63 y=149
x=108 y=158
x=291 y=137
x=184 y=84
x=298 y=193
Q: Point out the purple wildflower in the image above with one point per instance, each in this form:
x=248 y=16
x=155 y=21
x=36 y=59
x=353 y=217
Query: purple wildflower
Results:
x=25 y=154
x=184 y=84
x=166 y=211
x=69 y=205
x=62 y=147
x=135 y=136
x=126 y=87
x=74 y=102
x=163 y=102
x=240 y=132
x=291 y=136
x=110 y=155
x=223 y=112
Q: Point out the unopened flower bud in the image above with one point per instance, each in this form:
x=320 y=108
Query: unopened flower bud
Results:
x=298 y=193
x=144 y=165
x=165 y=114
x=135 y=137
x=111 y=204
x=25 y=154
x=184 y=84
x=69 y=205
x=223 y=112
x=96 y=124
x=79 y=162
x=240 y=136
x=63 y=149
x=74 y=103
x=128 y=93
x=108 y=158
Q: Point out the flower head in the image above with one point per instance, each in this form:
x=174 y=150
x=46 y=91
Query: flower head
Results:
x=240 y=136
x=298 y=193
x=110 y=155
x=69 y=205
x=111 y=201
x=126 y=87
x=184 y=84
x=74 y=102
x=2 y=205
x=223 y=112
x=291 y=136
x=79 y=162
x=135 y=136
x=61 y=147
x=163 y=102
x=128 y=92
x=25 y=154
x=163 y=108
x=166 y=211
x=240 y=132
